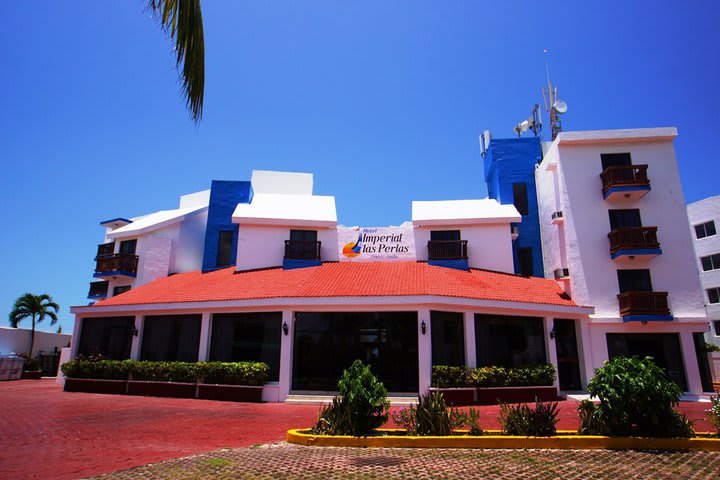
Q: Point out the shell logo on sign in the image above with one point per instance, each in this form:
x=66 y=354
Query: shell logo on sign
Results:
x=376 y=243
x=353 y=249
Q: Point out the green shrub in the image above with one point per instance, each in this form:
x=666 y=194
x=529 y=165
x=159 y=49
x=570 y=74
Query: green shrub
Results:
x=636 y=398
x=432 y=417
x=334 y=419
x=366 y=398
x=711 y=347
x=165 y=371
x=520 y=419
x=238 y=373
x=444 y=376
x=713 y=413
x=102 y=370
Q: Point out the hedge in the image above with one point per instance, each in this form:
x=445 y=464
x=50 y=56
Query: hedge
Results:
x=444 y=376
x=225 y=373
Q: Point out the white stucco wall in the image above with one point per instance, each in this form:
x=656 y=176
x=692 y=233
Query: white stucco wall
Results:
x=17 y=340
x=700 y=212
x=489 y=245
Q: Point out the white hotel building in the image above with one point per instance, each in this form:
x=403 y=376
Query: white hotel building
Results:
x=261 y=270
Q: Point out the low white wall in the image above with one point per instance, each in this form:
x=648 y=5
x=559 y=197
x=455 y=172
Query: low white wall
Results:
x=17 y=340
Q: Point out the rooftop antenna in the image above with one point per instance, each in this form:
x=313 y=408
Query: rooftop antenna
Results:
x=553 y=105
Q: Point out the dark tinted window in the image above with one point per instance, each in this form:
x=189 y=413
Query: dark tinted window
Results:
x=664 y=348
x=224 y=251
x=505 y=341
x=128 y=246
x=711 y=262
x=109 y=336
x=624 y=218
x=713 y=295
x=448 y=338
x=615 y=159
x=119 y=290
x=171 y=338
x=525 y=260
x=634 y=281
x=247 y=337
x=303 y=235
x=444 y=235
x=706 y=229
x=520 y=198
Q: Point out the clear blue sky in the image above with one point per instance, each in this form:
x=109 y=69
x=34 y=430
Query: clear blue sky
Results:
x=382 y=101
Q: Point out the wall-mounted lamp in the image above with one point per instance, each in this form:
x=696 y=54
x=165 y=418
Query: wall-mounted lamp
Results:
x=135 y=332
x=285 y=328
x=552 y=334
x=423 y=327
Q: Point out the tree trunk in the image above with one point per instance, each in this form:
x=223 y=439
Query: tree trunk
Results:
x=32 y=337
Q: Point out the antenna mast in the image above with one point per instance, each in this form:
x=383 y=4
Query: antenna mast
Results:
x=554 y=106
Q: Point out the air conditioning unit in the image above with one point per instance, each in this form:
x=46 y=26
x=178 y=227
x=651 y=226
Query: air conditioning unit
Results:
x=557 y=217
x=562 y=273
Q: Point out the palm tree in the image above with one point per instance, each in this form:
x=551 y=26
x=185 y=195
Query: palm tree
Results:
x=182 y=20
x=36 y=307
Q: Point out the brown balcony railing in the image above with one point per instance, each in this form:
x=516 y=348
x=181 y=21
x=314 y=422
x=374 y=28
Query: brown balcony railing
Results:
x=643 y=303
x=447 y=249
x=106 y=249
x=302 y=249
x=624 y=176
x=633 y=238
x=118 y=262
x=98 y=289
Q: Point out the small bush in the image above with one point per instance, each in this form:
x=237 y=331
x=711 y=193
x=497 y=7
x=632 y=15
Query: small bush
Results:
x=711 y=347
x=432 y=417
x=636 y=398
x=102 y=370
x=444 y=376
x=366 y=398
x=713 y=413
x=520 y=419
x=238 y=373
x=334 y=419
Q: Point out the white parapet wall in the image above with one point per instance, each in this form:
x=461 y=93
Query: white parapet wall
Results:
x=17 y=340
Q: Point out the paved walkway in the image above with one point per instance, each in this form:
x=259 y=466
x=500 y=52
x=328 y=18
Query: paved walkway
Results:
x=48 y=433
x=272 y=462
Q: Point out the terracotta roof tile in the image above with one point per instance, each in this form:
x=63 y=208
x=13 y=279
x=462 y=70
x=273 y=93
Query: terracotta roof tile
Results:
x=345 y=279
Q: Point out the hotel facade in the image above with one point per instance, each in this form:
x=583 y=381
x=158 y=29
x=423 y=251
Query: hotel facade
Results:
x=261 y=270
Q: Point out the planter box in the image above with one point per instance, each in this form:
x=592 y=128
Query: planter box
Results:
x=161 y=389
x=494 y=395
x=232 y=393
x=32 y=375
x=714 y=361
x=457 y=397
x=117 y=387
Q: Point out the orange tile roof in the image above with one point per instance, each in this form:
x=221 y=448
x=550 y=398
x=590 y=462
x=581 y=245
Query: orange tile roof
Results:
x=345 y=279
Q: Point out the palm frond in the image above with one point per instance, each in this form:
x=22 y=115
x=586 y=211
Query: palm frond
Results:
x=182 y=20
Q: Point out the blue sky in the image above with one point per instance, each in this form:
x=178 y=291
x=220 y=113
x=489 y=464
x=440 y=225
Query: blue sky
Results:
x=382 y=101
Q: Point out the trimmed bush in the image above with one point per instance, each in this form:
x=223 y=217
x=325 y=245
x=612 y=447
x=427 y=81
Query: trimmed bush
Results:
x=444 y=376
x=238 y=373
x=636 y=399
x=520 y=419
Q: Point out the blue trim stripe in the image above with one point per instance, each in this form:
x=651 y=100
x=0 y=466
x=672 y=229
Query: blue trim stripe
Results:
x=648 y=318
x=636 y=252
x=93 y=297
x=292 y=264
x=638 y=188
x=456 y=264
x=114 y=273
x=119 y=219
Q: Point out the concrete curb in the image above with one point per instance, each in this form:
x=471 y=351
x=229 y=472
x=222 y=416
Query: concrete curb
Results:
x=566 y=440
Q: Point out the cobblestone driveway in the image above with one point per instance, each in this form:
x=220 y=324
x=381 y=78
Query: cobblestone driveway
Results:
x=281 y=461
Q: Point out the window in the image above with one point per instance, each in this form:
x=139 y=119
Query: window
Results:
x=446 y=245
x=520 y=198
x=664 y=348
x=119 y=290
x=711 y=262
x=706 y=229
x=247 y=337
x=224 y=251
x=713 y=295
x=615 y=159
x=169 y=338
x=506 y=341
x=128 y=246
x=303 y=245
x=448 y=338
x=624 y=218
x=716 y=324
x=634 y=281
x=109 y=336
x=525 y=259
x=444 y=235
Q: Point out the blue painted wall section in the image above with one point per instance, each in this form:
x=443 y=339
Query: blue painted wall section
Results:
x=292 y=264
x=224 y=197
x=456 y=264
x=513 y=160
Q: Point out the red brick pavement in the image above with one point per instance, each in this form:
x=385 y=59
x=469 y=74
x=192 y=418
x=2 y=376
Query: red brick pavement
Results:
x=48 y=433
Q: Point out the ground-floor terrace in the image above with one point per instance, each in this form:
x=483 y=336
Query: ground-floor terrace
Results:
x=401 y=318
x=48 y=433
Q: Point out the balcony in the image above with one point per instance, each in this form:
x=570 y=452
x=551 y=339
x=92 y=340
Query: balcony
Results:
x=98 y=289
x=630 y=243
x=447 y=250
x=302 y=250
x=105 y=249
x=644 y=306
x=625 y=182
x=115 y=265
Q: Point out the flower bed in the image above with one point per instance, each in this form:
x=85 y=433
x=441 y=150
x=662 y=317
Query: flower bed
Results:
x=238 y=381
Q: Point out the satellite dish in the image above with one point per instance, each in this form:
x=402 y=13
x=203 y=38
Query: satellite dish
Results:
x=560 y=107
x=524 y=126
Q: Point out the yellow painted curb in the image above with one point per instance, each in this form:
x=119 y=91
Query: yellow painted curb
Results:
x=565 y=440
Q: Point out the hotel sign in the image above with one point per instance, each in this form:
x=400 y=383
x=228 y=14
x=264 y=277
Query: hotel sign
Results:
x=376 y=243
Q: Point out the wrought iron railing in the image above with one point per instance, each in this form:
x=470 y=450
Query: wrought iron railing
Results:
x=447 y=249
x=302 y=249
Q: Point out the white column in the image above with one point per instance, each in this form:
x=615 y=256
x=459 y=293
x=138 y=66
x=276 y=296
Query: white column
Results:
x=205 y=329
x=585 y=350
x=691 y=364
x=550 y=347
x=137 y=339
x=470 y=354
x=424 y=351
x=286 y=352
x=75 y=342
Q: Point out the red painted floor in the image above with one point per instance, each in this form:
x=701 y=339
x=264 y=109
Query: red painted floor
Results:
x=48 y=433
